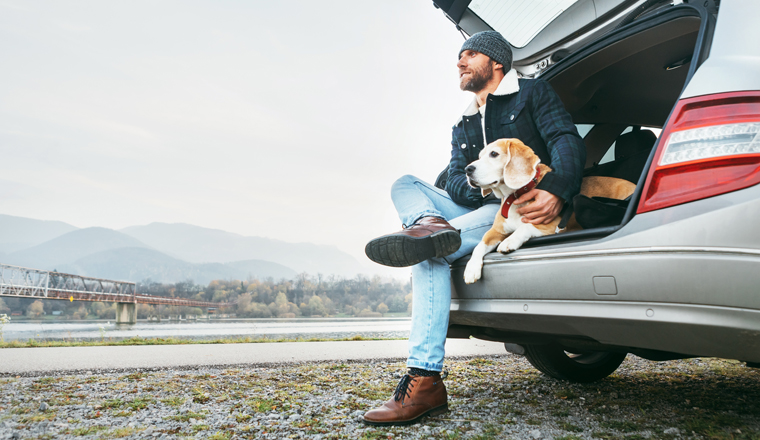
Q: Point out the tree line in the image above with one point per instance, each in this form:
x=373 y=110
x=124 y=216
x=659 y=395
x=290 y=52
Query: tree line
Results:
x=303 y=296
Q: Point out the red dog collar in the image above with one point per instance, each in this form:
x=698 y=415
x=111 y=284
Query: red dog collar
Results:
x=519 y=193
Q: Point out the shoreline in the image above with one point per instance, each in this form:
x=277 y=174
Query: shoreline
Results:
x=133 y=341
x=226 y=330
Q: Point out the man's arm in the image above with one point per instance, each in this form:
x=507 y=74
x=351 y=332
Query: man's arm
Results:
x=564 y=144
x=568 y=157
x=456 y=184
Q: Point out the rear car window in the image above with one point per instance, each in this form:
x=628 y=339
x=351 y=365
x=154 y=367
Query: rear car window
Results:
x=519 y=21
x=609 y=156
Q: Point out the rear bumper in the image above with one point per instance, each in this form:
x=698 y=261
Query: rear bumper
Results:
x=691 y=330
x=699 y=276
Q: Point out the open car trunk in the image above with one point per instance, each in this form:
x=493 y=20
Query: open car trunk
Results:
x=621 y=85
x=617 y=65
x=626 y=80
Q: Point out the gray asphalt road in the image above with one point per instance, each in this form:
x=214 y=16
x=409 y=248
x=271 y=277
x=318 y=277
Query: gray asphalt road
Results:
x=20 y=361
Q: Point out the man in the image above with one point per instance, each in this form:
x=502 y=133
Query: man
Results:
x=442 y=226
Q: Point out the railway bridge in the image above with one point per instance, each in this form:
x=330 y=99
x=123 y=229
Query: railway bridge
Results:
x=22 y=282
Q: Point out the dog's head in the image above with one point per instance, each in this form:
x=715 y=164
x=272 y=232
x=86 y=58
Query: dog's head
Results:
x=504 y=162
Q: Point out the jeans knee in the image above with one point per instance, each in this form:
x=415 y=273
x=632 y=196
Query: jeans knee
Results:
x=404 y=181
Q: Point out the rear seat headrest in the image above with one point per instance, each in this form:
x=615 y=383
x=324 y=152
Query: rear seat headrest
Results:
x=634 y=142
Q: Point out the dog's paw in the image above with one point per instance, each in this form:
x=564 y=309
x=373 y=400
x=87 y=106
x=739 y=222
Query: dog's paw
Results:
x=473 y=271
x=509 y=245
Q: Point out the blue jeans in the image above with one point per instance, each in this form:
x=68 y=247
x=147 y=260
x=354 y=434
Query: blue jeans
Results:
x=431 y=279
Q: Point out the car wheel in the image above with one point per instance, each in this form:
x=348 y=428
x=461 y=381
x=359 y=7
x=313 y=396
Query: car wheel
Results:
x=554 y=361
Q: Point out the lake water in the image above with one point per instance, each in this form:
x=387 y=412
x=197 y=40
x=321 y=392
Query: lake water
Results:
x=257 y=328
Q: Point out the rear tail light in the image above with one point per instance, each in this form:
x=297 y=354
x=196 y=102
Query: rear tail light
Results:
x=710 y=146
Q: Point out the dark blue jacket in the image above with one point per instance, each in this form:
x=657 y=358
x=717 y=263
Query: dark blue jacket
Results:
x=537 y=117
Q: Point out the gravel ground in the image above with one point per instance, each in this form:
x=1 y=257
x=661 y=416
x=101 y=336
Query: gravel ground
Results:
x=495 y=397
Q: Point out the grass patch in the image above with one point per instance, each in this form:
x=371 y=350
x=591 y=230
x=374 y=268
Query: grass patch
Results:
x=714 y=426
x=566 y=395
x=174 y=402
x=490 y=431
x=198 y=428
x=134 y=377
x=187 y=416
x=623 y=426
x=480 y=361
x=40 y=417
x=122 y=432
x=88 y=430
x=242 y=418
x=261 y=405
x=570 y=427
x=199 y=396
x=48 y=380
x=112 y=404
x=374 y=435
x=139 y=403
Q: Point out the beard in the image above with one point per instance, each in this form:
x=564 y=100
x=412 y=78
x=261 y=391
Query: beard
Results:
x=477 y=79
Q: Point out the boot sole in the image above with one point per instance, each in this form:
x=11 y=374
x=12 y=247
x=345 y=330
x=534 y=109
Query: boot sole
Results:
x=431 y=412
x=402 y=251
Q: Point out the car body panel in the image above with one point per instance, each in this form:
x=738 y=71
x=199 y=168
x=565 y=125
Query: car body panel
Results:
x=734 y=60
x=717 y=230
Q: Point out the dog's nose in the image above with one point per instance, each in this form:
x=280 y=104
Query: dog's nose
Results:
x=469 y=169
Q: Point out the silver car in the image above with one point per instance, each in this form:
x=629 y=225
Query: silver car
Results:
x=667 y=95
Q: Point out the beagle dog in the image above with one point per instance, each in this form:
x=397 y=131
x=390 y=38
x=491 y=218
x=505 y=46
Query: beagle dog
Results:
x=509 y=169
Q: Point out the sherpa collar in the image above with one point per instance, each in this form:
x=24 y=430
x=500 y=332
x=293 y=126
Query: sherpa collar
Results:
x=507 y=86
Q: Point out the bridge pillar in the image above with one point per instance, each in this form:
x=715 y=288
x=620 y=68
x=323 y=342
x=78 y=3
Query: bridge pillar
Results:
x=126 y=313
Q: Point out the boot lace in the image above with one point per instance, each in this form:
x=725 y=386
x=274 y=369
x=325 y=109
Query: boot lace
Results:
x=403 y=389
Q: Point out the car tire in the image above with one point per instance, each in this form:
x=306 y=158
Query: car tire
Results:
x=554 y=361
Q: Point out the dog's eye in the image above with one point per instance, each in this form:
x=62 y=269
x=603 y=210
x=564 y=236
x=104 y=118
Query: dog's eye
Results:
x=493 y=154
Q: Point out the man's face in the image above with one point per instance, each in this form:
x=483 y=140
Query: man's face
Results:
x=475 y=70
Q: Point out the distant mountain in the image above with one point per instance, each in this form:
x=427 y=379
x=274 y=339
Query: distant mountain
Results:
x=177 y=252
x=203 y=245
x=139 y=263
x=70 y=247
x=17 y=233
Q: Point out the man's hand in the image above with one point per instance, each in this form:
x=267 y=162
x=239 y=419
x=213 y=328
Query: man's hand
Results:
x=543 y=210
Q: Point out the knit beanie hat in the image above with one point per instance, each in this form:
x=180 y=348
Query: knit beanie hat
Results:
x=490 y=43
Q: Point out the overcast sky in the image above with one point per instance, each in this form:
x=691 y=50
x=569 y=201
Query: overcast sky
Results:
x=282 y=119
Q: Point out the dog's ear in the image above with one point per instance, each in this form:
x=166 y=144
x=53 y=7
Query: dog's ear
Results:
x=521 y=165
x=485 y=191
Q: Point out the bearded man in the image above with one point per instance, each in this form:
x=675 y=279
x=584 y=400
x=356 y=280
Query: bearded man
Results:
x=442 y=224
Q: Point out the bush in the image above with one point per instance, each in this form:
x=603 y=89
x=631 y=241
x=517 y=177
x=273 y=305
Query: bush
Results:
x=367 y=313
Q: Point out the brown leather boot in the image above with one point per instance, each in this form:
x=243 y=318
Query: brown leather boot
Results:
x=429 y=237
x=415 y=397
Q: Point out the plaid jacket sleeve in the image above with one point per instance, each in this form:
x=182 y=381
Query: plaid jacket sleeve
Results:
x=456 y=185
x=563 y=143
